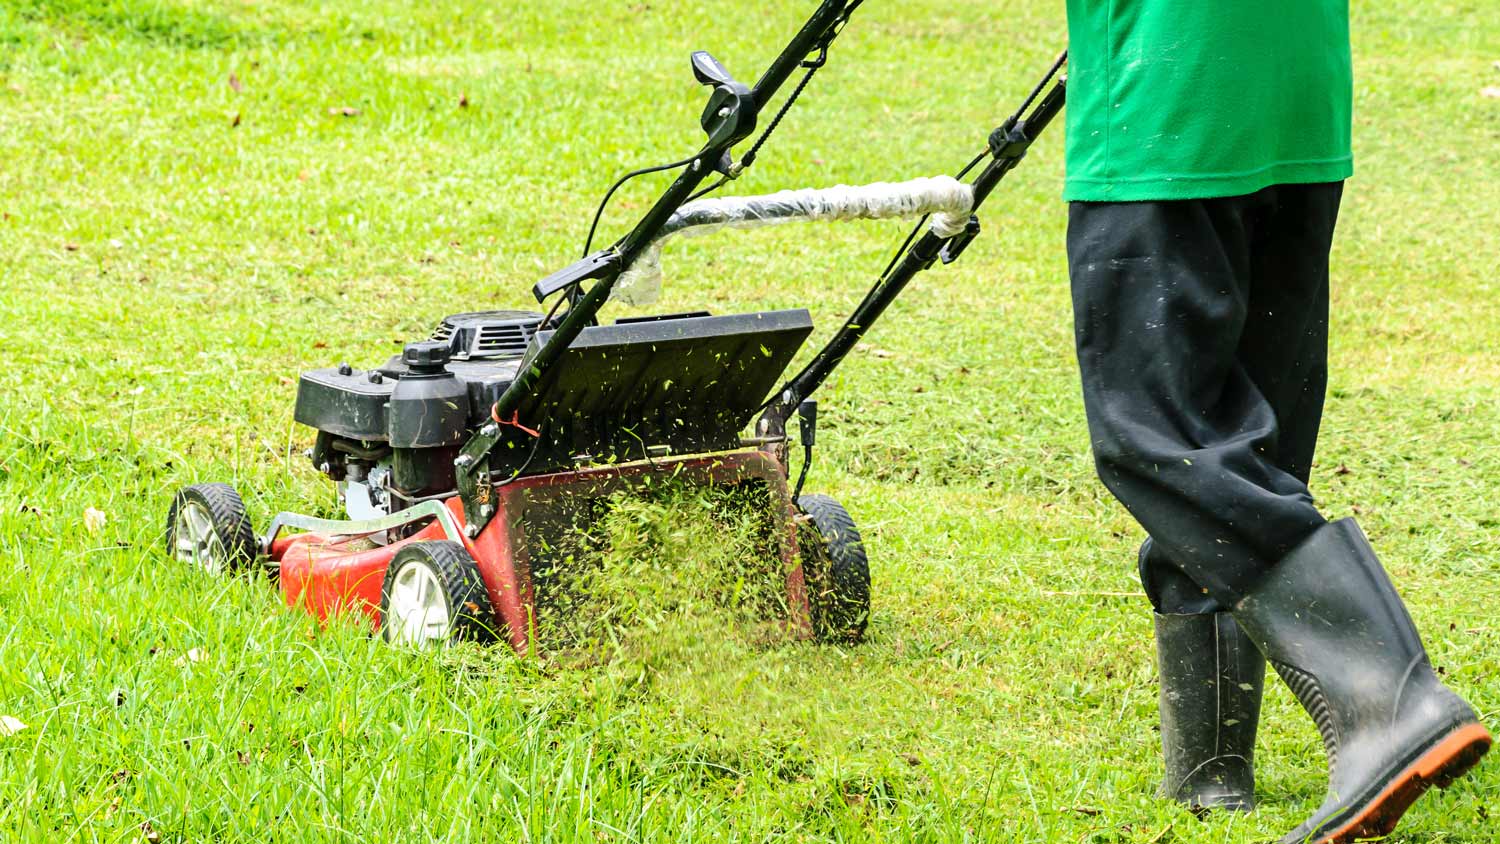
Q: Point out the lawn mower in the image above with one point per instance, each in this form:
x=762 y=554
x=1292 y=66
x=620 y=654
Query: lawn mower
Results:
x=461 y=462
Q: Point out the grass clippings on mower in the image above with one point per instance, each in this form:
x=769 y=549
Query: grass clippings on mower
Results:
x=668 y=573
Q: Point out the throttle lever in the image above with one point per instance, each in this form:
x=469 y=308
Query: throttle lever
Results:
x=709 y=70
x=731 y=111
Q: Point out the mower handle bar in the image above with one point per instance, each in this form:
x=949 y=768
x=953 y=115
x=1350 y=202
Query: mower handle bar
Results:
x=1007 y=145
x=729 y=118
x=944 y=200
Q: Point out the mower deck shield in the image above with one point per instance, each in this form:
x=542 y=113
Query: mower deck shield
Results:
x=646 y=389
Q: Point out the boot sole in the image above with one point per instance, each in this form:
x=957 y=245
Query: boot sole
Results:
x=1440 y=766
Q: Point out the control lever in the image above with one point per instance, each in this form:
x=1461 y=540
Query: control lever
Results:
x=731 y=112
x=807 y=421
x=709 y=70
x=597 y=265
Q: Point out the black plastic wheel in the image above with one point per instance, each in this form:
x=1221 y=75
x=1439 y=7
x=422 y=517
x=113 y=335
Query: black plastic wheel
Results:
x=835 y=569
x=207 y=528
x=433 y=594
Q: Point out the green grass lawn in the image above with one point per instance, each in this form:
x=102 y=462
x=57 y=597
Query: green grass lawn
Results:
x=200 y=199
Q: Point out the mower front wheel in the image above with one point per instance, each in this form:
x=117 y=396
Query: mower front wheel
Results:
x=835 y=570
x=433 y=594
x=207 y=528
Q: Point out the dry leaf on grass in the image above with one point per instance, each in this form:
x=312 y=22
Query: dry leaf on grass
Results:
x=93 y=520
x=234 y=84
x=344 y=111
x=10 y=725
x=1493 y=92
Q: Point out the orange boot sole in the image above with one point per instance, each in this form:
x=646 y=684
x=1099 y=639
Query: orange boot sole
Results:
x=1448 y=760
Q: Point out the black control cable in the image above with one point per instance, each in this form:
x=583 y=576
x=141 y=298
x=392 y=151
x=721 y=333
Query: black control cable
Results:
x=588 y=244
x=735 y=170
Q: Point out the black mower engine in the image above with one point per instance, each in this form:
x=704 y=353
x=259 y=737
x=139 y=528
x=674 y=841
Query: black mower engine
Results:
x=389 y=435
x=639 y=389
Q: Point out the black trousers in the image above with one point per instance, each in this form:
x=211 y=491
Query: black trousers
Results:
x=1202 y=330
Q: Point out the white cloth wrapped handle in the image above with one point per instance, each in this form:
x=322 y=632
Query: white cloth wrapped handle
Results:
x=945 y=198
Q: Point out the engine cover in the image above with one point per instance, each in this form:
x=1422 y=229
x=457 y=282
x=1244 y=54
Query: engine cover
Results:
x=482 y=335
x=355 y=403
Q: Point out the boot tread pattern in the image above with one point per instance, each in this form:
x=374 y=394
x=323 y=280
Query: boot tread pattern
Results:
x=1310 y=694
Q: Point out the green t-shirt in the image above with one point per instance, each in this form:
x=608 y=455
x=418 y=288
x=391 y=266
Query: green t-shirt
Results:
x=1190 y=99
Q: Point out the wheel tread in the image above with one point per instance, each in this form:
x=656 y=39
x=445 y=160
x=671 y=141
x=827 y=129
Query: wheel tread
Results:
x=841 y=606
x=226 y=509
x=473 y=615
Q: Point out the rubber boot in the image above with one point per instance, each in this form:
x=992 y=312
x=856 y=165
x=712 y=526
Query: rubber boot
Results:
x=1332 y=625
x=1212 y=677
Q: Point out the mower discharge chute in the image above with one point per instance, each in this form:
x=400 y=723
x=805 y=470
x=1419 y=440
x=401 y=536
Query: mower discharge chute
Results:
x=461 y=461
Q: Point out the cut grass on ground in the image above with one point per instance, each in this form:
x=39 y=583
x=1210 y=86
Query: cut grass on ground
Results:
x=200 y=199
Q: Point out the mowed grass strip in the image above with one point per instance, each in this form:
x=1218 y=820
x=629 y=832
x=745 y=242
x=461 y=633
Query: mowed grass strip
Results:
x=200 y=199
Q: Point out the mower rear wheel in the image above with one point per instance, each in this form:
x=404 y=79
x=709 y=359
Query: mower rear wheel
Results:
x=433 y=594
x=208 y=529
x=835 y=569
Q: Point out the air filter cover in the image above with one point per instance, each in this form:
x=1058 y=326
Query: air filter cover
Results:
x=488 y=334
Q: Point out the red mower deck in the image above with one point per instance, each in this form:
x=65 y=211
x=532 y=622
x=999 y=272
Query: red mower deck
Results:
x=334 y=575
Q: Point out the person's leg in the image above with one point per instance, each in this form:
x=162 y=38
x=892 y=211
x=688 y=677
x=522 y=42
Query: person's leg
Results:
x=1212 y=676
x=1162 y=294
x=1169 y=588
x=1283 y=348
x=1321 y=610
x=1356 y=664
x=1182 y=434
x=1211 y=679
x=1331 y=623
